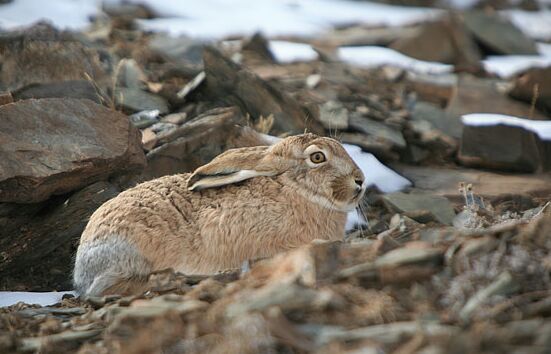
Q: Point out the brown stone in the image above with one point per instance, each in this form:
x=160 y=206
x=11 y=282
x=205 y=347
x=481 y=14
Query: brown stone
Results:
x=61 y=222
x=444 y=41
x=534 y=84
x=61 y=89
x=41 y=54
x=184 y=149
x=503 y=147
x=234 y=85
x=53 y=146
x=445 y=182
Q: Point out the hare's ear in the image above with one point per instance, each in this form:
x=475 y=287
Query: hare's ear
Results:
x=231 y=167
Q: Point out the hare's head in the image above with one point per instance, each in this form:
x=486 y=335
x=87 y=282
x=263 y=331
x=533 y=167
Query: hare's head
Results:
x=318 y=167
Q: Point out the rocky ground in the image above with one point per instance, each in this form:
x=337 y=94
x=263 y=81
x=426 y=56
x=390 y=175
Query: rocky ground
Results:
x=459 y=262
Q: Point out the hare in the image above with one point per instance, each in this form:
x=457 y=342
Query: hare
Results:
x=246 y=203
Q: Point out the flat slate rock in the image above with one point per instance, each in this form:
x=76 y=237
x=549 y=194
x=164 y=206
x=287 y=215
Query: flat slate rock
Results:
x=439 y=206
x=134 y=100
x=504 y=147
x=445 y=182
x=53 y=146
x=499 y=34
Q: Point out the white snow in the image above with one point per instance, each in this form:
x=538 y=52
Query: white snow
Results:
x=541 y=128
x=506 y=66
x=215 y=19
x=219 y=18
x=374 y=56
x=534 y=24
x=376 y=174
x=288 y=52
x=65 y=14
x=8 y=298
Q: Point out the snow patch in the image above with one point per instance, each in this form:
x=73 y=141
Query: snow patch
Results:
x=541 y=127
x=288 y=52
x=375 y=174
x=534 y=24
x=374 y=56
x=8 y=298
x=64 y=14
x=506 y=66
x=273 y=17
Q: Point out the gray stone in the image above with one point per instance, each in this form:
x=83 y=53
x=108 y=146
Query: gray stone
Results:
x=499 y=34
x=145 y=118
x=178 y=49
x=136 y=100
x=376 y=129
x=53 y=146
x=504 y=147
x=439 y=206
x=437 y=117
x=129 y=74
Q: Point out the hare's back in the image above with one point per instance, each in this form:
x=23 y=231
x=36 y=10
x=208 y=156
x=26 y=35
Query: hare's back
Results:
x=157 y=209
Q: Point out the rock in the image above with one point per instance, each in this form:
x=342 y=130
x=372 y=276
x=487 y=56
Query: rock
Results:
x=61 y=89
x=136 y=100
x=475 y=95
x=505 y=148
x=333 y=115
x=162 y=127
x=437 y=118
x=52 y=146
x=444 y=41
x=180 y=49
x=535 y=83
x=145 y=118
x=378 y=130
x=41 y=54
x=56 y=224
x=445 y=182
x=149 y=139
x=439 y=206
x=175 y=118
x=498 y=34
x=183 y=149
x=233 y=85
x=5 y=98
x=130 y=75
x=436 y=89
x=256 y=49
x=380 y=148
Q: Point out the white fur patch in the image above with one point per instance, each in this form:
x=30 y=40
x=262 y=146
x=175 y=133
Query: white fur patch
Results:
x=218 y=181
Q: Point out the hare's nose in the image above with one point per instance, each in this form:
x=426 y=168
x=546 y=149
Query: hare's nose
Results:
x=359 y=182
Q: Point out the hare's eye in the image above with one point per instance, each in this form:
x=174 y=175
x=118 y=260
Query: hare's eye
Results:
x=317 y=157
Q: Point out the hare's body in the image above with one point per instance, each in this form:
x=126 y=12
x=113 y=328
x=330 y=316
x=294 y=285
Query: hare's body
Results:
x=164 y=223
